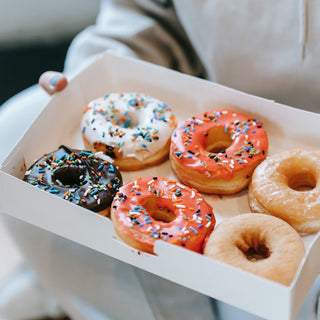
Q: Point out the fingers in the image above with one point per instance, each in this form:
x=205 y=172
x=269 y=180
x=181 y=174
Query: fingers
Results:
x=52 y=81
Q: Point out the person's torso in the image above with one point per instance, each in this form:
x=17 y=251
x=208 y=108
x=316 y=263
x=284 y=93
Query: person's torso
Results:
x=268 y=48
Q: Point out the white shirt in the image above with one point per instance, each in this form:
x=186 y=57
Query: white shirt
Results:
x=267 y=48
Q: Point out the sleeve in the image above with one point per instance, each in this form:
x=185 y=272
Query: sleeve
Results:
x=144 y=29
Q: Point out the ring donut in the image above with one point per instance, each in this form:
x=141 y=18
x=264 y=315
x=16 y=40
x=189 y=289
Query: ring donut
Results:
x=217 y=151
x=78 y=176
x=133 y=129
x=287 y=185
x=148 y=209
x=258 y=243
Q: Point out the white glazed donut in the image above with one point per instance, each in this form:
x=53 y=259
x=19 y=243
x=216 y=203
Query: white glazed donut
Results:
x=132 y=128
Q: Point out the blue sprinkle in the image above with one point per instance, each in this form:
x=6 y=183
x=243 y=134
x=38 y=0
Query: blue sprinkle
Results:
x=144 y=145
x=101 y=166
x=61 y=158
x=86 y=153
x=132 y=102
x=193 y=229
x=54 y=191
x=200 y=225
x=83 y=130
x=127 y=123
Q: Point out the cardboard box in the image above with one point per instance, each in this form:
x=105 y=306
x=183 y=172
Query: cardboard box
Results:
x=59 y=123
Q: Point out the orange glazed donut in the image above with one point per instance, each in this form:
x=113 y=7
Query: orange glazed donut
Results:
x=148 y=209
x=258 y=243
x=287 y=185
x=216 y=151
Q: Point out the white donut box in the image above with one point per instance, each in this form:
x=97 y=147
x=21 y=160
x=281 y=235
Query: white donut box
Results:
x=59 y=123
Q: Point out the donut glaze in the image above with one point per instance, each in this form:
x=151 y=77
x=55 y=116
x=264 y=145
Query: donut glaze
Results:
x=258 y=243
x=148 y=209
x=287 y=185
x=213 y=148
x=133 y=129
x=78 y=176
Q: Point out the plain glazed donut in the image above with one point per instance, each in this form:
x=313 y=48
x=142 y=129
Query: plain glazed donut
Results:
x=258 y=243
x=287 y=185
x=81 y=177
x=133 y=129
x=217 y=151
x=148 y=209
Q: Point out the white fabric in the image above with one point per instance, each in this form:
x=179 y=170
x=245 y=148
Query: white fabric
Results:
x=22 y=295
x=268 y=48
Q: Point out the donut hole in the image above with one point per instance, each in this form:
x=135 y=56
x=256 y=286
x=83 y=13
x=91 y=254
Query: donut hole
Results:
x=260 y=252
x=218 y=140
x=159 y=211
x=68 y=176
x=302 y=181
x=126 y=120
x=254 y=248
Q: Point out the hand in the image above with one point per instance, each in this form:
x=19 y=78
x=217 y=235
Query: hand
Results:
x=52 y=81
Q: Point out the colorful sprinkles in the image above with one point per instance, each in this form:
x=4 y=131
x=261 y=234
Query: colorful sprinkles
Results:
x=78 y=176
x=246 y=143
x=151 y=208
x=129 y=122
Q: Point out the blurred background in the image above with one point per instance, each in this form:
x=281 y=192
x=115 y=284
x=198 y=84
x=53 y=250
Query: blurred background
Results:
x=34 y=37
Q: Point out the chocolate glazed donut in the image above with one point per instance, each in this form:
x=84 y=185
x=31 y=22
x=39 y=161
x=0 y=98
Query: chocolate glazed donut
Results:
x=78 y=176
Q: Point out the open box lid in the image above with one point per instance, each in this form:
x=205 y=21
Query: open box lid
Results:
x=59 y=123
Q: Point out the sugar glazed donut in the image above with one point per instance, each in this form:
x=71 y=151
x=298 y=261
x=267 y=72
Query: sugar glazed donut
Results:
x=133 y=129
x=217 y=151
x=258 y=243
x=287 y=185
x=148 y=209
x=86 y=179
